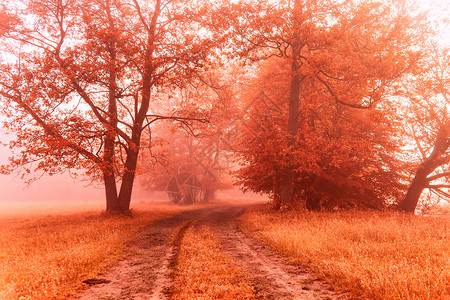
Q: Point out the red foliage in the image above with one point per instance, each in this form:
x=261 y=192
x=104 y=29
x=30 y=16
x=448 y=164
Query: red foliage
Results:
x=78 y=79
x=342 y=157
x=306 y=138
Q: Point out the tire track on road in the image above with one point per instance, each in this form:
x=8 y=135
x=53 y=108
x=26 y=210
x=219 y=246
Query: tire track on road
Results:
x=269 y=275
x=148 y=272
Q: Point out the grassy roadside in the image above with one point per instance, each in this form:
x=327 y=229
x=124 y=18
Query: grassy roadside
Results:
x=203 y=271
x=48 y=257
x=375 y=255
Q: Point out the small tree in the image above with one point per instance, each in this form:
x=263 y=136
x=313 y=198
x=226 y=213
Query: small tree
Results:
x=176 y=153
x=200 y=148
x=77 y=80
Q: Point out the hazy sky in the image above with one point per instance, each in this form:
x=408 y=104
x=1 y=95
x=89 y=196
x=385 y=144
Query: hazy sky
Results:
x=439 y=9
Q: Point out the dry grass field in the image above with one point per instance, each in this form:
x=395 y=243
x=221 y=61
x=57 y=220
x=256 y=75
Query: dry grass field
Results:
x=374 y=255
x=203 y=271
x=48 y=257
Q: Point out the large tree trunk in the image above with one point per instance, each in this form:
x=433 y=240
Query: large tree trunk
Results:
x=109 y=177
x=287 y=189
x=412 y=197
x=129 y=174
x=287 y=186
x=437 y=158
x=112 y=202
x=128 y=177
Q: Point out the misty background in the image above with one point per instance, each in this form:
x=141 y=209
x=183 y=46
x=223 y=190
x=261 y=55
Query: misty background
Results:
x=65 y=190
x=62 y=192
x=58 y=190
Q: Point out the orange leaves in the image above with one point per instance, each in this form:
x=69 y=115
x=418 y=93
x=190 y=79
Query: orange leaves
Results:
x=96 y=75
x=333 y=66
x=88 y=73
x=339 y=154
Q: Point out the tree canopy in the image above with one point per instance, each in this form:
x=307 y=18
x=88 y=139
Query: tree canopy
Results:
x=335 y=92
x=342 y=157
x=78 y=80
x=326 y=128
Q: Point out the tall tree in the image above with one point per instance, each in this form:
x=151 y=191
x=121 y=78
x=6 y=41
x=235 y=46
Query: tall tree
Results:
x=346 y=158
x=347 y=53
x=287 y=185
x=77 y=80
x=429 y=124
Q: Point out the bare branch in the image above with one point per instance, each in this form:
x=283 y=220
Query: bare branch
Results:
x=438 y=186
x=440 y=192
x=178 y=119
x=336 y=98
x=437 y=176
x=424 y=155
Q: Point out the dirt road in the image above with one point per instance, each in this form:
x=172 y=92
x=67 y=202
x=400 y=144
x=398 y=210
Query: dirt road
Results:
x=146 y=274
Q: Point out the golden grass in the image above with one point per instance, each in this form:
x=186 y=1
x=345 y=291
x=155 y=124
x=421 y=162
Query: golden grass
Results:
x=375 y=255
x=203 y=271
x=48 y=257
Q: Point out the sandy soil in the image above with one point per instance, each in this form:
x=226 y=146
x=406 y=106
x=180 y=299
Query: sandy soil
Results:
x=146 y=274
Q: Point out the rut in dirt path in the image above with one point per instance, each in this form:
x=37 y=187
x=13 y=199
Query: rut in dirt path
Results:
x=147 y=272
x=268 y=274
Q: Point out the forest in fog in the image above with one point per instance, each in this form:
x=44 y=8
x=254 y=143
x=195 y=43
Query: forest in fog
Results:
x=318 y=104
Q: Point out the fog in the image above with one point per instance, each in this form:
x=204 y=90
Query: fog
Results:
x=61 y=188
x=48 y=188
x=59 y=192
x=57 y=188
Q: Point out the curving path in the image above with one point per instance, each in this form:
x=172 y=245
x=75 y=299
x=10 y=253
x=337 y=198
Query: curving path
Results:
x=146 y=274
